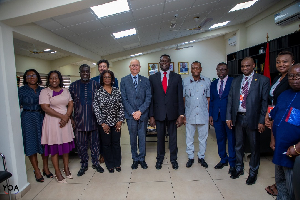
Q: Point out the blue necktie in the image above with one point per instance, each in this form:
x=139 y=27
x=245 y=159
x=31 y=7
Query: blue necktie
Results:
x=135 y=82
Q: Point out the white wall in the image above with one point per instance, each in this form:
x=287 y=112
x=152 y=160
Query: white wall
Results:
x=23 y=63
x=209 y=53
x=264 y=23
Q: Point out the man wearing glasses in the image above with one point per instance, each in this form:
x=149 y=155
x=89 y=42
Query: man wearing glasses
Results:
x=136 y=99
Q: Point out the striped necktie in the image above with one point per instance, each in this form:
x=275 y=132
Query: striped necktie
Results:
x=221 y=89
x=135 y=82
x=245 y=90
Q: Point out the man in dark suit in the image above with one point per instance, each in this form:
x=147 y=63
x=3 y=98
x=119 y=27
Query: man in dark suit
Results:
x=246 y=110
x=219 y=91
x=136 y=99
x=166 y=109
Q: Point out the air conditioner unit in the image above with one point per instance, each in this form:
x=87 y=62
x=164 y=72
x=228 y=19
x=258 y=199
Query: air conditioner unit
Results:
x=288 y=15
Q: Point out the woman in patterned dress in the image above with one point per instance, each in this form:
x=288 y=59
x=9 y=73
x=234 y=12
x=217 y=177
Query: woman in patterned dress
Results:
x=109 y=112
x=57 y=132
x=32 y=121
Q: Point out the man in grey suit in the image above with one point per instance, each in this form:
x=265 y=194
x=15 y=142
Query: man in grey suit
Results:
x=136 y=98
x=166 y=109
x=246 y=110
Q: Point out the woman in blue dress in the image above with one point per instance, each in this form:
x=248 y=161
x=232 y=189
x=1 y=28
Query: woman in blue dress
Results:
x=32 y=121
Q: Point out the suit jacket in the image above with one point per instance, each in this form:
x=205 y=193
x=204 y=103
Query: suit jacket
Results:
x=216 y=103
x=256 y=102
x=281 y=87
x=169 y=104
x=134 y=100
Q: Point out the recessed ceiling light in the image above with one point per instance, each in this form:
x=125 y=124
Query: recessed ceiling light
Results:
x=53 y=51
x=111 y=8
x=125 y=33
x=94 y=63
x=47 y=50
x=138 y=54
x=243 y=5
x=219 y=24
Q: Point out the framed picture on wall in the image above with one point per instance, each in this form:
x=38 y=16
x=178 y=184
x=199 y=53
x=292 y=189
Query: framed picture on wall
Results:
x=152 y=68
x=172 y=66
x=183 y=67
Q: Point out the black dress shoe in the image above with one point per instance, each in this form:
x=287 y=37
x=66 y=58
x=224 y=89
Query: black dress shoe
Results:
x=143 y=164
x=231 y=170
x=189 y=163
x=82 y=171
x=135 y=165
x=221 y=165
x=111 y=170
x=118 y=169
x=175 y=164
x=236 y=174
x=158 y=165
x=98 y=168
x=251 y=179
x=202 y=162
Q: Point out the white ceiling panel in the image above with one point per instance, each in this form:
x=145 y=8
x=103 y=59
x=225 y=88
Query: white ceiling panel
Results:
x=148 y=11
x=117 y=19
x=148 y=21
x=75 y=17
x=137 y=4
x=63 y=32
x=85 y=26
x=49 y=24
x=176 y=5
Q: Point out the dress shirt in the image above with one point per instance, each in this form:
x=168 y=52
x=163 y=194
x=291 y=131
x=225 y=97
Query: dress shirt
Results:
x=224 y=83
x=250 y=77
x=274 y=87
x=82 y=95
x=196 y=104
x=167 y=75
x=137 y=79
x=108 y=108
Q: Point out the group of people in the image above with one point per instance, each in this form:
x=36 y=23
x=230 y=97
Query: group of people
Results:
x=236 y=107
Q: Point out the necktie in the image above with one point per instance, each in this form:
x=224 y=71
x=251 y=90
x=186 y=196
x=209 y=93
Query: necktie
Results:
x=135 y=82
x=245 y=90
x=221 y=89
x=164 y=82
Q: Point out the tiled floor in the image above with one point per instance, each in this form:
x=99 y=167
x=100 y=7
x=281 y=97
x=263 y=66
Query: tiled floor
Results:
x=185 y=183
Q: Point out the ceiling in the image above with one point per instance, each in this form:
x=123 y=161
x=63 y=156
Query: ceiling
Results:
x=151 y=18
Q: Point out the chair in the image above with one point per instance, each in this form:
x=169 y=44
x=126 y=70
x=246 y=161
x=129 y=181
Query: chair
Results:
x=5 y=175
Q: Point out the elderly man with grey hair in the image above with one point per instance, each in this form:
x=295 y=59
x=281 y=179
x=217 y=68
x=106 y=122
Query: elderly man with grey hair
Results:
x=136 y=98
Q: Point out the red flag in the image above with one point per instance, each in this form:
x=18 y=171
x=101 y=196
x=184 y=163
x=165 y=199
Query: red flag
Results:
x=267 y=64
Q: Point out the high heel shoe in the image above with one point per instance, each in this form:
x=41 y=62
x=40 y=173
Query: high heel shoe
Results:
x=47 y=175
x=62 y=181
x=70 y=175
x=41 y=180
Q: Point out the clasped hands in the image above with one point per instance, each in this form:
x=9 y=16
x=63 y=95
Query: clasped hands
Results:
x=137 y=115
x=64 y=120
x=106 y=127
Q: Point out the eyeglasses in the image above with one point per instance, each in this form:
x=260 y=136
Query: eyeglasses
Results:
x=106 y=77
x=221 y=70
x=134 y=65
x=31 y=76
x=294 y=76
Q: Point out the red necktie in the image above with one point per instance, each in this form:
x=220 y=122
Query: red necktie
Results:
x=164 y=82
